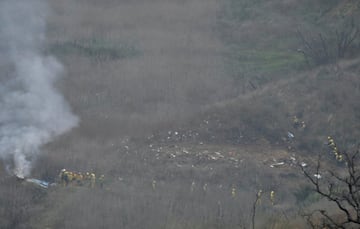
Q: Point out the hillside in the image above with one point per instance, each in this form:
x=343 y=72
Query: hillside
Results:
x=189 y=109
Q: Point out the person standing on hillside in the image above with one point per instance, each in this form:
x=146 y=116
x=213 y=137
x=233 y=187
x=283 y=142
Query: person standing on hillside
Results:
x=92 y=180
x=272 y=197
x=101 y=180
x=63 y=177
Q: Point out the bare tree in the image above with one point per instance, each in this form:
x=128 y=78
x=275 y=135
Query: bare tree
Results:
x=253 y=212
x=326 y=48
x=345 y=37
x=341 y=186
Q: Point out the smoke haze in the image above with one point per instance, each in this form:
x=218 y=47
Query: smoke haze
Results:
x=32 y=110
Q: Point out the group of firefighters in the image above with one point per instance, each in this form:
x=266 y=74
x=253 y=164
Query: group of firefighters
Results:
x=335 y=151
x=259 y=195
x=298 y=124
x=77 y=178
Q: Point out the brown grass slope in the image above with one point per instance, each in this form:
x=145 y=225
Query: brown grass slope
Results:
x=151 y=86
x=325 y=98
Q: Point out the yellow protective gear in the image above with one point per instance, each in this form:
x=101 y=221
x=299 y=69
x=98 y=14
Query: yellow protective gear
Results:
x=92 y=180
x=233 y=192
x=272 y=197
x=259 y=194
x=153 y=184
x=101 y=181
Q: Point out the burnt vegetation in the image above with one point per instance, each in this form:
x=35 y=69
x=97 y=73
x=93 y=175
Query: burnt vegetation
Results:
x=200 y=114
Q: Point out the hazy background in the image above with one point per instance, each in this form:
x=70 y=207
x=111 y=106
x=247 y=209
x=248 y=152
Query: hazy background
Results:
x=184 y=106
x=174 y=66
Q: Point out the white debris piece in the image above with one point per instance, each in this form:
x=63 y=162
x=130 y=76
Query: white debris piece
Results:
x=277 y=164
x=290 y=135
x=185 y=151
x=317 y=176
x=40 y=183
x=233 y=159
x=219 y=155
x=212 y=157
x=303 y=164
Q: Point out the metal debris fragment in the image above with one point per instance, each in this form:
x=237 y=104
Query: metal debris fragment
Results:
x=317 y=176
x=41 y=183
x=277 y=164
x=290 y=135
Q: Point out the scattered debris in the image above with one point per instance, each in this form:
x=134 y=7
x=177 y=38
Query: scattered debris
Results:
x=277 y=164
x=290 y=135
x=41 y=183
x=219 y=155
x=185 y=151
x=317 y=176
x=212 y=157
x=233 y=159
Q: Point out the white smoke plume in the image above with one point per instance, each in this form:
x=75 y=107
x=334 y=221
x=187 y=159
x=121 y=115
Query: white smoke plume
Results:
x=32 y=111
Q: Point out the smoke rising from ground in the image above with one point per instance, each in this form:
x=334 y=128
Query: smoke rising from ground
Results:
x=32 y=111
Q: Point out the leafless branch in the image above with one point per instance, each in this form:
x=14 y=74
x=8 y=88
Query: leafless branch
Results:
x=340 y=190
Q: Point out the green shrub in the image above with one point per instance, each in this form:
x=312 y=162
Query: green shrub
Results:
x=94 y=48
x=306 y=195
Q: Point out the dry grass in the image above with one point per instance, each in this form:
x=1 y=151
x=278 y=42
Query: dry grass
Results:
x=179 y=68
x=127 y=106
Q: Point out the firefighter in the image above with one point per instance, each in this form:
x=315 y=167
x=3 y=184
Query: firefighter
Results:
x=70 y=177
x=63 y=177
x=78 y=177
x=258 y=197
x=331 y=142
x=101 y=180
x=298 y=124
x=153 y=184
x=340 y=157
x=192 y=187
x=87 y=178
x=205 y=187
x=75 y=178
x=233 y=192
x=92 y=180
x=335 y=151
x=272 y=197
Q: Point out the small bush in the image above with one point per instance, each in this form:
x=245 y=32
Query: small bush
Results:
x=94 y=48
